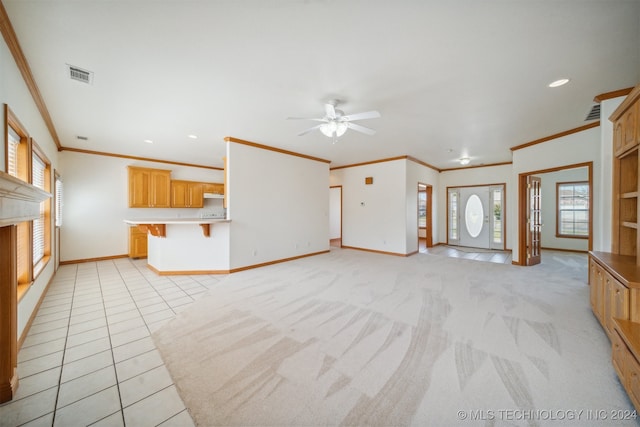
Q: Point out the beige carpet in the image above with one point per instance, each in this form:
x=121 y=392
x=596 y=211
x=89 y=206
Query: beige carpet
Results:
x=355 y=338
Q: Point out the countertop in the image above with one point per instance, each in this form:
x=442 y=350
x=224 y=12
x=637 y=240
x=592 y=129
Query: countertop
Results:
x=137 y=221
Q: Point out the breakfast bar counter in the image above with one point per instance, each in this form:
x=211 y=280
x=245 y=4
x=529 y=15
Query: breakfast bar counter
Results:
x=186 y=245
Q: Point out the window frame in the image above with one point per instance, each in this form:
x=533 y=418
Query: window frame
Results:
x=559 y=210
x=27 y=270
x=45 y=209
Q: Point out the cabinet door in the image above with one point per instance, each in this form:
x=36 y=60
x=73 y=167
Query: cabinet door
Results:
x=179 y=194
x=597 y=290
x=137 y=243
x=619 y=301
x=196 y=195
x=632 y=378
x=616 y=301
x=629 y=131
x=607 y=303
x=618 y=137
x=139 y=188
x=618 y=355
x=161 y=186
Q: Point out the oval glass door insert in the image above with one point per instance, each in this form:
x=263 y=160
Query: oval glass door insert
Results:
x=473 y=216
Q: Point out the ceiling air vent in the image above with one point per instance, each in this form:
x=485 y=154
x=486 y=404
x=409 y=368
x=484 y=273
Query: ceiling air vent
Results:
x=80 y=75
x=594 y=113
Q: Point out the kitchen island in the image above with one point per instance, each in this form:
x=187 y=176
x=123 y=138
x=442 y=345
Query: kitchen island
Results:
x=186 y=245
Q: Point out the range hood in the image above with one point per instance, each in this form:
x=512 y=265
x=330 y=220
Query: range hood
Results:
x=213 y=196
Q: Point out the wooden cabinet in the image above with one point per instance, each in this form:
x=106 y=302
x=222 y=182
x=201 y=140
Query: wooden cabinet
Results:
x=187 y=194
x=626 y=139
x=214 y=188
x=610 y=297
x=625 y=343
x=149 y=188
x=137 y=243
x=625 y=130
x=596 y=289
x=614 y=277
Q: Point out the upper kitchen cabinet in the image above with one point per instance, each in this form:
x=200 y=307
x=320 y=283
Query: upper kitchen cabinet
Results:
x=187 y=194
x=213 y=188
x=149 y=188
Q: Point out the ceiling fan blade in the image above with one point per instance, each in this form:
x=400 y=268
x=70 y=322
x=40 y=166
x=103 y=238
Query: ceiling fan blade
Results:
x=360 y=128
x=315 y=119
x=330 y=110
x=309 y=130
x=362 y=116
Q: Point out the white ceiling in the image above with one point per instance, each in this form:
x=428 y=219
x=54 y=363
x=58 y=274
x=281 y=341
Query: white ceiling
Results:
x=450 y=78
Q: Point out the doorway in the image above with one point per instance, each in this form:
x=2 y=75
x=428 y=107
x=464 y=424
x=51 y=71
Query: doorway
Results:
x=425 y=216
x=530 y=224
x=335 y=216
x=475 y=216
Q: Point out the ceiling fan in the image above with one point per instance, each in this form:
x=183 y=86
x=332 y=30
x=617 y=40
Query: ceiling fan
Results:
x=335 y=123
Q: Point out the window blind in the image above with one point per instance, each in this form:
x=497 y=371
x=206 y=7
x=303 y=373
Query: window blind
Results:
x=38 y=168
x=12 y=155
x=59 y=195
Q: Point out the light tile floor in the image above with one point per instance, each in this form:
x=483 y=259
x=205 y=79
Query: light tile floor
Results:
x=89 y=359
x=487 y=255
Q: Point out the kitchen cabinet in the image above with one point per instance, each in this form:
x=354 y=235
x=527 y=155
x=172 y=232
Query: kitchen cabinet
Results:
x=187 y=194
x=149 y=188
x=212 y=187
x=137 y=243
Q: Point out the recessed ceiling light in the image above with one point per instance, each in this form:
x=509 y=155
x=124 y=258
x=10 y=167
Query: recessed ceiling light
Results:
x=193 y=136
x=148 y=141
x=465 y=161
x=559 y=82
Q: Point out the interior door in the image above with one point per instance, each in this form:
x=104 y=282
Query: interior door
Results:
x=474 y=217
x=534 y=219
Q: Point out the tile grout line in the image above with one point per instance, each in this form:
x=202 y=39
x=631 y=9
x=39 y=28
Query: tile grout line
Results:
x=113 y=358
x=55 y=404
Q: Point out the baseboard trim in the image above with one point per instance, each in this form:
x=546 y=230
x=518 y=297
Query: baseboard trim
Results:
x=185 y=272
x=379 y=252
x=233 y=270
x=264 y=264
x=577 y=251
x=104 y=258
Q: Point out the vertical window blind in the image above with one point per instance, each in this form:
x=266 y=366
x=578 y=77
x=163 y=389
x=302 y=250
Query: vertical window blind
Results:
x=59 y=195
x=12 y=155
x=38 y=168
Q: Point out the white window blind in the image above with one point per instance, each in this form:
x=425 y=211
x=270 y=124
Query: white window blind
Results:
x=12 y=155
x=38 y=168
x=59 y=195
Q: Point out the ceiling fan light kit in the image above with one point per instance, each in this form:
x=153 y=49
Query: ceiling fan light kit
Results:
x=335 y=123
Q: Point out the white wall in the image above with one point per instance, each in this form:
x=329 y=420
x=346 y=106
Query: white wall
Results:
x=550 y=212
x=475 y=176
x=278 y=205
x=374 y=216
x=572 y=149
x=602 y=237
x=14 y=93
x=96 y=203
x=417 y=173
x=383 y=216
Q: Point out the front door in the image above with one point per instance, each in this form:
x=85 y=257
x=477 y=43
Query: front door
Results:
x=474 y=217
x=534 y=219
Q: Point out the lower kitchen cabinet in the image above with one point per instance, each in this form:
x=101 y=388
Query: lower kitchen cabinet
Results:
x=137 y=243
